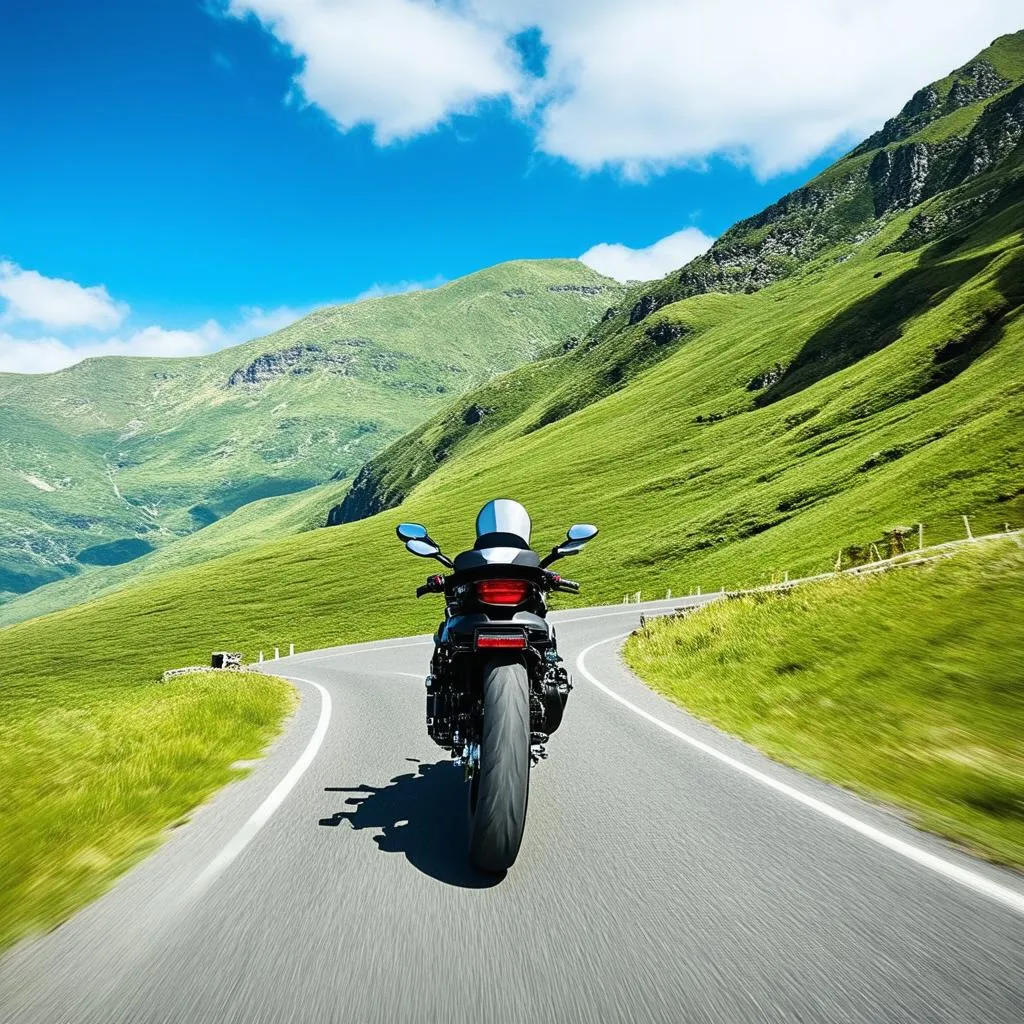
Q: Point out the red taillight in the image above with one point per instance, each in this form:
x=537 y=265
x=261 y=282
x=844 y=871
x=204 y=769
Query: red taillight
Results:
x=498 y=640
x=507 y=592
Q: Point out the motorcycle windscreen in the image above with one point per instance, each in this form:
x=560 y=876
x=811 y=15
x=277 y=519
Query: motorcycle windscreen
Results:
x=503 y=515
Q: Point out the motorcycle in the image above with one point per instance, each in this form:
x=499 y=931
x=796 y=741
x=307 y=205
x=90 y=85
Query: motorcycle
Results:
x=497 y=688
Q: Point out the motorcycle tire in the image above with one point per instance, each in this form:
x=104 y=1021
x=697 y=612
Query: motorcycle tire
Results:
x=500 y=790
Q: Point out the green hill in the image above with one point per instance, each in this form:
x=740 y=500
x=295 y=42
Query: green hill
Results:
x=717 y=437
x=111 y=458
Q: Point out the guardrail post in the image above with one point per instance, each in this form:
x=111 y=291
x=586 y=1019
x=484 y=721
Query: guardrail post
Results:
x=698 y=590
x=668 y=594
x=967 y=526
x=291 y=650
x=260 y=659
x=277 y=654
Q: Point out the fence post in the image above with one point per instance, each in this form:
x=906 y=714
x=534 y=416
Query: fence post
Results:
x=668 y=594
x=698 y=590
x=967 y=526
x=291 y=650
x=277 y=654
x=786 y=580
x=260 y=660
x=638 y=597
x=839 y=561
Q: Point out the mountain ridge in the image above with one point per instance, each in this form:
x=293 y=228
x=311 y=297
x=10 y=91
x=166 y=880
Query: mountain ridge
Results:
x=837 y=211
x=144 y=449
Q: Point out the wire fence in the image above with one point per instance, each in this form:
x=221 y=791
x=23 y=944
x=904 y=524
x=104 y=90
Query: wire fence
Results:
x=917 y=556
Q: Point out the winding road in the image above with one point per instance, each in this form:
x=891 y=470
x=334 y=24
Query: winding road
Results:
x=669 y=873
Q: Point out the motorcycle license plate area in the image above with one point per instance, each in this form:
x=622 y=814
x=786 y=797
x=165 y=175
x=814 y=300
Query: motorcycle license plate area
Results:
x=506 y=639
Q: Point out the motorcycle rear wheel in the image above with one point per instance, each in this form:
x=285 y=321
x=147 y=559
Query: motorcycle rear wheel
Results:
x=500 y=790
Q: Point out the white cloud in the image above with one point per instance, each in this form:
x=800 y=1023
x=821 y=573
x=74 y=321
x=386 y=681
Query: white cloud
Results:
x=638 y=85
x=402 y=66
x=88 y=312
x=44 y=355
x=54 y=302
x=656 y=83
x=625 y=264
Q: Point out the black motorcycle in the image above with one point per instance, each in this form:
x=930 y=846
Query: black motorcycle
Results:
x=497 y=687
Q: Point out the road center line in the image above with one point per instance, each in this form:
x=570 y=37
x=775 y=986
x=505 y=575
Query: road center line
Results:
x=261 y=815
x=970 y=879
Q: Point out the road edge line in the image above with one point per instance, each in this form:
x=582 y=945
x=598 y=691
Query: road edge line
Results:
x=245 y=835
x=1009 y=898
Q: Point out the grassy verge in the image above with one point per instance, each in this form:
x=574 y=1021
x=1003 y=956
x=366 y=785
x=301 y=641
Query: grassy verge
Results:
x=907 y=687
x=96 y=768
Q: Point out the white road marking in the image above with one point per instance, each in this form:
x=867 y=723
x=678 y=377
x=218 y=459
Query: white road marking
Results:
x=971 y=879
x=261 y=815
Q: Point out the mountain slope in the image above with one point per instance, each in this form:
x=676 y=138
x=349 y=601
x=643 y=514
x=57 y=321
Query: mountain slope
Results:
x=108 y=459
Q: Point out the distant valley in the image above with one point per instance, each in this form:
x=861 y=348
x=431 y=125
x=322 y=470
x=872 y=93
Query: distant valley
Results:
x=116 y=457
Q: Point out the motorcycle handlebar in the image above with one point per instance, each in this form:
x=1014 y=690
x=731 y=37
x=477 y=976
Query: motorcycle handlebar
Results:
x=556 y=582
x=434 y=585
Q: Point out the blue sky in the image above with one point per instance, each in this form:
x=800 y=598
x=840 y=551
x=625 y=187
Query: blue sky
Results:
x=200 y=172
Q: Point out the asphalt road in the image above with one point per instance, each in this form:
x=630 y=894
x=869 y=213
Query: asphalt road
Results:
x=668 y=873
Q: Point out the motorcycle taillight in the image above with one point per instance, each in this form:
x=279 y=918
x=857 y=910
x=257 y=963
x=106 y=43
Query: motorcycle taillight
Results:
x=506 y=592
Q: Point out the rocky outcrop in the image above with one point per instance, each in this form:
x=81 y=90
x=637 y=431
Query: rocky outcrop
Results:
x=898 y=177
x=474 y=414
x=975 y=81
x=924 y=106
x=643 y=308
x=579 y=289
x=665 y=333
x=297 y=360
x=766 y=378
x=998 y=131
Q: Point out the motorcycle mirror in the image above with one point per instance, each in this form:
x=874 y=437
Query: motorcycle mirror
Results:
x=423 y=548
x=570 y=548
x=427 y=549
x=581 y=531
x=411 y=531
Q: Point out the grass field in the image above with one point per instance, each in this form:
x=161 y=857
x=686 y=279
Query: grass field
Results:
x=96 y=766
x=907 y=687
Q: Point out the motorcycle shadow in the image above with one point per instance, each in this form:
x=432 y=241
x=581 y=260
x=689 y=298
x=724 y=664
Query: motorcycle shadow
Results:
x=423 y=815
